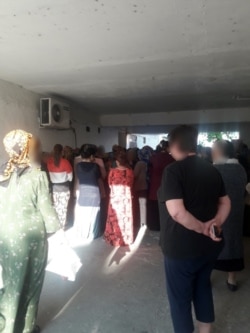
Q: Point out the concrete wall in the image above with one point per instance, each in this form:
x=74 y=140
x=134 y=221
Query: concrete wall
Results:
x=214 y=116
x=19 y=108
x=107 y=137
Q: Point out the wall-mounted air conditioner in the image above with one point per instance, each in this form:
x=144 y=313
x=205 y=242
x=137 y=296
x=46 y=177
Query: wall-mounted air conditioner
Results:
x=54 y=114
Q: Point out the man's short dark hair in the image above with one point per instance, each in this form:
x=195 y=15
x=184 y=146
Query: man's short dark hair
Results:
x=186 y=137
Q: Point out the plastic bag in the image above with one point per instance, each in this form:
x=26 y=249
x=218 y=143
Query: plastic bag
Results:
x=62 y=259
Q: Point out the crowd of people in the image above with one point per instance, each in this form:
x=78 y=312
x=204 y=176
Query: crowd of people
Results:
x=197 y=199
x=111 y=194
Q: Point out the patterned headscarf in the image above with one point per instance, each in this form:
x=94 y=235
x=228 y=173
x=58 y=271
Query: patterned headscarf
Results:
x=145 y=154
x=16 y=144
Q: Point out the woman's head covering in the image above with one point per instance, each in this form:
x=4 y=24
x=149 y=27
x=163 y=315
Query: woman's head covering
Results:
x=145 y=154
x=16 y=144
x=226 y=148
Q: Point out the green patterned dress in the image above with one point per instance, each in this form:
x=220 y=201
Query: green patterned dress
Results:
x=26 y=216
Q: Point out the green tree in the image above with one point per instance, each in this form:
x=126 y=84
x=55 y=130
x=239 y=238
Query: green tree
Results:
x=213 y=136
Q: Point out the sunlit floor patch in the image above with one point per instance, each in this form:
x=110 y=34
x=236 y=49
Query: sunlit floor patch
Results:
x=119 y=256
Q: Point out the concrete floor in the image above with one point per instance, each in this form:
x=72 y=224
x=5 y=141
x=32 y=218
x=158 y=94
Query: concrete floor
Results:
x=122 y=291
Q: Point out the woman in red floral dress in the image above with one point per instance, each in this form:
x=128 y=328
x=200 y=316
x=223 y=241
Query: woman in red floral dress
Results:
x=120 y=227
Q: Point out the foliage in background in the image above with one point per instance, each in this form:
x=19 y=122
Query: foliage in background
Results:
x=207 y=139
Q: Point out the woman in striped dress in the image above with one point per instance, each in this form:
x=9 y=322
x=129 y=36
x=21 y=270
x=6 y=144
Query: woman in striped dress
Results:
x=61 y=174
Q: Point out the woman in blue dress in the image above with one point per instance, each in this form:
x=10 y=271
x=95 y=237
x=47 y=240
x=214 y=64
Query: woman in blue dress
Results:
x=87 y=210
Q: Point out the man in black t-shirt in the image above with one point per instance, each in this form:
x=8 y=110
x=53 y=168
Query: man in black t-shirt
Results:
x=193 y=206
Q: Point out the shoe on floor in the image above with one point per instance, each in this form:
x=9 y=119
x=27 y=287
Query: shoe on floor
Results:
x=232 y=287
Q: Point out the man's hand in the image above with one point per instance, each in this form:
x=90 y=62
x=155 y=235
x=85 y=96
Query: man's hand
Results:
x=208 y=230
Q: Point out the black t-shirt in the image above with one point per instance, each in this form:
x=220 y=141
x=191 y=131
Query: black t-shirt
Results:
x=200 y=186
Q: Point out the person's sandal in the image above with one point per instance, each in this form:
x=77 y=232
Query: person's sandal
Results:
x=232 y=287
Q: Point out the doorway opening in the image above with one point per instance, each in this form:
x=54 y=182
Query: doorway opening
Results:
x=205 y=139
x=140 y=140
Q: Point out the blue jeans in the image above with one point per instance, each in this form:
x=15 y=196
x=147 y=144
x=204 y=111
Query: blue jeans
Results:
x=188 y=281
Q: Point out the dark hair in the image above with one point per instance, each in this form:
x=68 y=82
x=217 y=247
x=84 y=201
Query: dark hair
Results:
x=57 y=154
x=185 y=136
x=87 y=151
x=121 y=157
x=226 y=148
x=117 y=148
x=163 y=145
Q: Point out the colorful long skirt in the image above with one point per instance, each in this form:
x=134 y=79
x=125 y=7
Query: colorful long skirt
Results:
x=120 y=228
x=61 y=201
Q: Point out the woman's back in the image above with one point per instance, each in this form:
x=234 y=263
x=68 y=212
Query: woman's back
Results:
x=235 y=180
x=119 y=228
x=122 y=176
x=61 y=172
x=140 y=174
x=87 y=209
x=29 y=210
x=88 y=173
x=158 y=163
x=26 y=215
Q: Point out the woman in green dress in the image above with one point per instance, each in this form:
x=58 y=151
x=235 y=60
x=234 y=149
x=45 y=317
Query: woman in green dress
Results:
x=26 y=217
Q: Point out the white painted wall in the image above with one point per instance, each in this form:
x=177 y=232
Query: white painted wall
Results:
x=178 y=117
x=19 y=109
x=107 y=137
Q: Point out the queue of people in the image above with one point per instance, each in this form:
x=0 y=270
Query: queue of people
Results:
x=95 y=188
x=196 y=203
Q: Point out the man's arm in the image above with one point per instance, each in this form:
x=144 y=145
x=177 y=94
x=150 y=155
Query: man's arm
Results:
x=179 y=213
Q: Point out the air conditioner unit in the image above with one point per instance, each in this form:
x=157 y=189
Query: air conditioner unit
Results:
x=54 y=114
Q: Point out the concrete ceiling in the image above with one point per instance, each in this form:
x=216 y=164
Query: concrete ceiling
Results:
x=123 y=56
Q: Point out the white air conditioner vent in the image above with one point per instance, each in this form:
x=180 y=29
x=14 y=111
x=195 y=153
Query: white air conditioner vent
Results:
x=54 y=114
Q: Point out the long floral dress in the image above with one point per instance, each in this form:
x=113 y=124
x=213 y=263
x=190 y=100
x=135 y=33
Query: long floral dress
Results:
x=26 y=216
x=119 y=228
